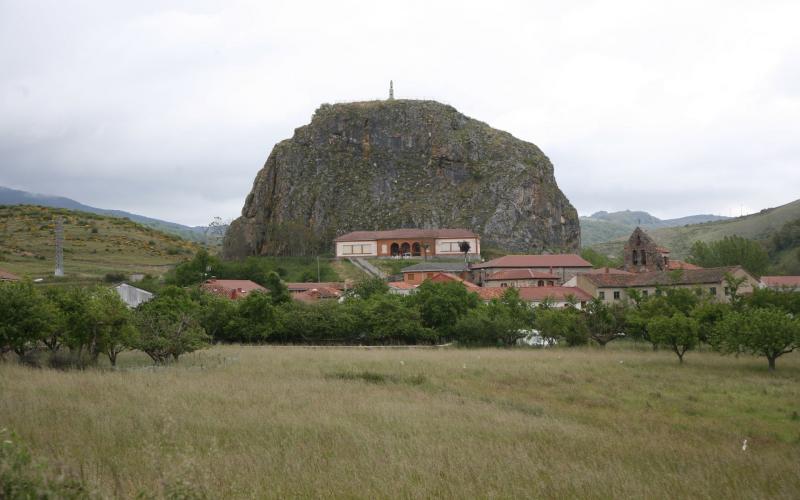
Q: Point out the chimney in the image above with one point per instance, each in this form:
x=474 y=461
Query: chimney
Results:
x=606 y=269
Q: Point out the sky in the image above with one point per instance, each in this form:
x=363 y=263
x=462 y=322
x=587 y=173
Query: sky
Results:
x=169 y=109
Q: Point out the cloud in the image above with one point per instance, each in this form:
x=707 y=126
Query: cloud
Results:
x=169 y=108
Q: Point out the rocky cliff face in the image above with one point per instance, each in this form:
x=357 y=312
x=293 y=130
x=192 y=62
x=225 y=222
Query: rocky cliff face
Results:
x=400 y=164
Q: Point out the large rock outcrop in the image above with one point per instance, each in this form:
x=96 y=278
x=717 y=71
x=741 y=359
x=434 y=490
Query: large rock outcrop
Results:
x=399 y=164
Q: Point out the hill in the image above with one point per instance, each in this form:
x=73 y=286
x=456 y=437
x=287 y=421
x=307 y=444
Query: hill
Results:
x=16 y=197
x=603 y=226
x=396 y=164
x=94 y=245
x=760 y=227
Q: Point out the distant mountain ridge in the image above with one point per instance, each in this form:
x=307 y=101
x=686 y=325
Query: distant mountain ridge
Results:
x=10 y=196
x=761 y=227
x=602 y=226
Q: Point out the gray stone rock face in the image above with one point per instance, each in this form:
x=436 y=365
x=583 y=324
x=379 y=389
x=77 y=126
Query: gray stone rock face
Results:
x=400 y=164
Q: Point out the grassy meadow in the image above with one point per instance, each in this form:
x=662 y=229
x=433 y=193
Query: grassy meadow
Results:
x=236 y=421
x=93 y=245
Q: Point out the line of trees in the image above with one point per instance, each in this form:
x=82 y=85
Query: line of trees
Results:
x=75 y=326
x=766 y=323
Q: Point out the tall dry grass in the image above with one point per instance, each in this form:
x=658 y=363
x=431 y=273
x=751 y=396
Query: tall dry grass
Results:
x=304 y=422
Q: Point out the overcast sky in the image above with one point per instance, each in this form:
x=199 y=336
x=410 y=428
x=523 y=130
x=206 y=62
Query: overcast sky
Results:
x=168 y=109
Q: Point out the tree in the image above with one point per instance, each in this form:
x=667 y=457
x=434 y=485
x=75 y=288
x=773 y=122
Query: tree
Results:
x=605 y=322
x=113 y=324
x=567 y=324
x=500 y=322
x=442 y=304
x=367 y=287
x=730 y=251
x=278 y=291
x=465 y=248
x=216 y=316
x=194 y=271
x=254 y=320
x=678 y=332
x=765 y=297
x=26 y=317
x=768 y=332
x=387 y=319
x=708 y=313
x=169 y=327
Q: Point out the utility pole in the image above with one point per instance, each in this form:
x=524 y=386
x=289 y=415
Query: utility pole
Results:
x=318 y=275
x=59 y=247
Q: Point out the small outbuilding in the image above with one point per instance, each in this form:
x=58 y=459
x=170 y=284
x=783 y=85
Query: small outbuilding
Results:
x=132 y=296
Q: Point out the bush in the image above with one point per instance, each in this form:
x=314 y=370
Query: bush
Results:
x=21 y=477
x=114 y=277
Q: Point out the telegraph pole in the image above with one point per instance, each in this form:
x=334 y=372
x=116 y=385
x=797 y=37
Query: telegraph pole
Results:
x=59 y=247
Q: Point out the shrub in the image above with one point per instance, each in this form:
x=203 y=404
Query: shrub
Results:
x=114 y=277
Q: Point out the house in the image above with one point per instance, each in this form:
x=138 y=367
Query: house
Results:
x=401 y=287
x=318 y=293
x=7 y=276
x=296 y=288
x=418 y=273
x=783 y=283
x=407 y=243
x=600 y=270
x=614 y=287
x=132 y=296
x=520 y=278
x=563 y=266
x=557 y=296
x=407 y=287
x=672 y=265
x=233 y=289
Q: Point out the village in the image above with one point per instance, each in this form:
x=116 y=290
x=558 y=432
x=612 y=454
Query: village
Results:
x=560 y=280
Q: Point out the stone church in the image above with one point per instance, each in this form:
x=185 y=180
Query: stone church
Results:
x=642 y=254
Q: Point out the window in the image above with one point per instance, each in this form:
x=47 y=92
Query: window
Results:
x=601 y=295
x=355 y=249
x=645 y=293
x=411 y=276
x=658 y=292
x=727 y=291
x=635 y=257
x=450 y=246
x=712 y=290
x=644 y=258
x=504 y=285
x=551 y=283
x=540 y=283
x=616 y=294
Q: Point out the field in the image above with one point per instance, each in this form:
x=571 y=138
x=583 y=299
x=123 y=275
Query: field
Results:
x=93 y=244
x=350 y=422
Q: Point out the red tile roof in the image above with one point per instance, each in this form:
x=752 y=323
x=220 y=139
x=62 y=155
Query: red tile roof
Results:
x=443 y=277
x=233 y=289
x=302 y=287
x=679 y=264
x=406 y=234
x=781 y=281
x=520 y=274
x=7 y=276
x=662 y=278
x=315 y=294
x=402 y=285
x=538 y=293
x=605 y=270
x=529 y=261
